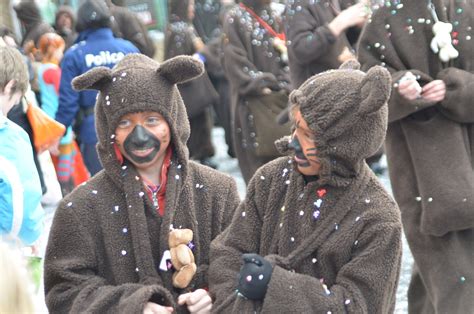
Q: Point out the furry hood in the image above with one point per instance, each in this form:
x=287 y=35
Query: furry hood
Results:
x=28 y=12
x=178 y=10
x=138 y=83
x=347 y=111
x=64 y=9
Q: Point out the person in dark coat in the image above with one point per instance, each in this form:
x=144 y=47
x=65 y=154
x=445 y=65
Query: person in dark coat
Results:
x=32 y=23
x=255 y=64
x=430 y=143
x=213 y=54
x=317 y=31
x=65 y=25
x=118 y=224
x=96 y=46
x=128 y=26
x=317 y=232
x=182 y=39
x=323 y=35
x=206 y=21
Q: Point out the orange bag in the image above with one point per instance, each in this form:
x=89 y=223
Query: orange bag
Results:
x=46 y=131
x=80 y=174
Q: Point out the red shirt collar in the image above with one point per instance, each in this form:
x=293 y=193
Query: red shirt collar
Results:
x=163 y=180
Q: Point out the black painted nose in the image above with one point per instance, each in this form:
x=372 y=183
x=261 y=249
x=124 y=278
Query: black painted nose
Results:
x=139 y=136
x=295 y=144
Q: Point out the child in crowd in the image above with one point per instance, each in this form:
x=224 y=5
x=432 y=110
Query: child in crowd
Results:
x=110 y=247
x=67 y=158
x=317 y=232
x=21 y=213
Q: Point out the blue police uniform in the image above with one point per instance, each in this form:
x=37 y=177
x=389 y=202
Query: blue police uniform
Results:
x=94 y=47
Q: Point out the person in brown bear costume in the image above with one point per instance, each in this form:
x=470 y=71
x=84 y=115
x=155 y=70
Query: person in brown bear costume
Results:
x=108 y=244
x=430 y=143
x=254 y=62
x=323 y=234
x=318 y=32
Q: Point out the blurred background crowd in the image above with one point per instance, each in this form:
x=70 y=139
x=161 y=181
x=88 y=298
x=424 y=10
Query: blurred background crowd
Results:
x=255 y=53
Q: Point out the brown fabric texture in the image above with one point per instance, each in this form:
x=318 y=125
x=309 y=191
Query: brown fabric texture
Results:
x=430 y=149
x=342 y=230
x=313 y=48
x=29 y=14
x=127 y=25
x=107 y=240
x=214 y=54
x=198 y=94
x=251 y=63
x=69 y=36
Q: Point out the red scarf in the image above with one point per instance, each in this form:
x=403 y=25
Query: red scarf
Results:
x=162 y=186
x=263 y=23
x=148 y=186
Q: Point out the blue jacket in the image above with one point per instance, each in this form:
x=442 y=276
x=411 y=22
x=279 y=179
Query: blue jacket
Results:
x=96 y=47
x=21 y=214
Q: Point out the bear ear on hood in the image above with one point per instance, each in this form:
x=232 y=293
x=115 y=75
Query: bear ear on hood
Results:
x=374 y=90
x=95 y=78
x=351 y=64
x=181 y=69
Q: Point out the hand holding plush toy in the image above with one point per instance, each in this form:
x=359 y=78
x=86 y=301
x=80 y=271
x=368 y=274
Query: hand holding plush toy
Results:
x=182 y=257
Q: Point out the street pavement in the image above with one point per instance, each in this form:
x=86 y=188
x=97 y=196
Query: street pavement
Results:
x=230 y=165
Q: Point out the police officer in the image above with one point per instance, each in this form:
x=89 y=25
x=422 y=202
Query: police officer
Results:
x=95 y=46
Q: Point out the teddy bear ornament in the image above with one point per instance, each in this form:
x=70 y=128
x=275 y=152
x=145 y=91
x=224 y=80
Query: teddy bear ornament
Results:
x=182 y=257
x=442 y=42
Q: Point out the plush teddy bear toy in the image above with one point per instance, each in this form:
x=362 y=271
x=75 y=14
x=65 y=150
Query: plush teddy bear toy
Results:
x=182 y=257
x=441 y=42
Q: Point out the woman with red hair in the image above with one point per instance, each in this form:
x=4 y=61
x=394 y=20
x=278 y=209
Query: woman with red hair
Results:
x=67 y=159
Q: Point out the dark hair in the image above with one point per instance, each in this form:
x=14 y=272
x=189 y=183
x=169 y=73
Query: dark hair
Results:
x=93 y=14
x=178 y=9
x=65 y=10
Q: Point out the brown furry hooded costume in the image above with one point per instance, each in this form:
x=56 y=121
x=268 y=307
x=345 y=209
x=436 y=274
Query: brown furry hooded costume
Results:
x=198 y=95
x=430 y=148
x=69 y=35
x=342 y=230
x=313 y=48
x=251 y=63
x=107 y=240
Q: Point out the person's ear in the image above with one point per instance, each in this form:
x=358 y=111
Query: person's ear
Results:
x=8 y=89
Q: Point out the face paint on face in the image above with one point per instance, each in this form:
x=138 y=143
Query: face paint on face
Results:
x=300 y=158
x=304 y=145
x=141 y=145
